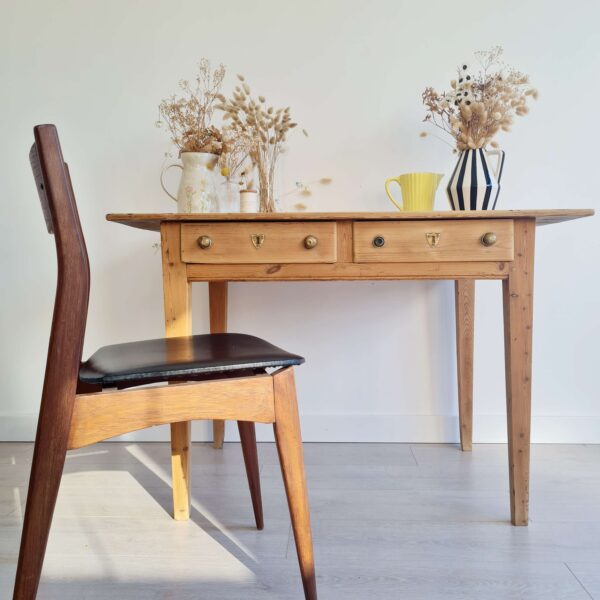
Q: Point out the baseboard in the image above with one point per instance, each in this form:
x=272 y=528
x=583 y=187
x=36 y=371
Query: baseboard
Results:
x=365 y=428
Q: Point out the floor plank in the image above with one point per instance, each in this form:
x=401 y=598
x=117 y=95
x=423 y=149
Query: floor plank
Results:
x=588 y=575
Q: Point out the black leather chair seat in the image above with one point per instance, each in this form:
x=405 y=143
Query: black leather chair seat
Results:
x=175 y=358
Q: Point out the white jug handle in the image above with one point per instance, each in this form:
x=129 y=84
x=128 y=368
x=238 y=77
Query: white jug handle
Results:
x=499 y=154
x=162 y=174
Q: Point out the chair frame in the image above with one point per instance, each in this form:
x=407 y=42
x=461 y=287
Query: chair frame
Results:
x=73 y=415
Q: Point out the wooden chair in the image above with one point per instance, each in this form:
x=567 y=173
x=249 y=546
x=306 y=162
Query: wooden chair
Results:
x=219 y=376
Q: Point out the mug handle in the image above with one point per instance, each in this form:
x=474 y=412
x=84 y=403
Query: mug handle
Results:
x=162 y=174
x=387 y=191
x=499 y=154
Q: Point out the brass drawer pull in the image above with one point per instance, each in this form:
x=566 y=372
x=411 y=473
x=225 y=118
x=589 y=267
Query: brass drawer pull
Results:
x=310 y=241
x=378 y=241
x=205 y=242
x=489 y=238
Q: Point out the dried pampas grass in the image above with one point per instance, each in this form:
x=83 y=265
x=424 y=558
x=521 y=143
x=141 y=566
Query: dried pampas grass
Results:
x=264 y=129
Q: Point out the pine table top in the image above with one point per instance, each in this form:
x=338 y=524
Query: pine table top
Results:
x=152 y=221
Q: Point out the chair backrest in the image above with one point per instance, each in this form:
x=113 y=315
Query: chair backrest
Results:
x=72 y=293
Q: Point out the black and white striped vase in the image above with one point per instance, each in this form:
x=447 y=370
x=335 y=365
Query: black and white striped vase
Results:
x=475 y=183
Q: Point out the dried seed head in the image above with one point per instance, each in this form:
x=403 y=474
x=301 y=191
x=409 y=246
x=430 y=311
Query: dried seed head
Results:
x=466 y=112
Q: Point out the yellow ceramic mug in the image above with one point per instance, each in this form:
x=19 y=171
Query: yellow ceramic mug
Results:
x=418 y=190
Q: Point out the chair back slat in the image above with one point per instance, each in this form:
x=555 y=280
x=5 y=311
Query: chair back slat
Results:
x=34 y=159
x=64 y=354
x=72 y=293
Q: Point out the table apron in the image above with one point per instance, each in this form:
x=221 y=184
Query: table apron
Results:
x=347 y=271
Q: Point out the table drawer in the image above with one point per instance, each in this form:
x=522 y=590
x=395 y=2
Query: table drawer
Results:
x=259 y=242
x=430 y=241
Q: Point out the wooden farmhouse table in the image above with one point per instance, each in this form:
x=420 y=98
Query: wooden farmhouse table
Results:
x=462 y=246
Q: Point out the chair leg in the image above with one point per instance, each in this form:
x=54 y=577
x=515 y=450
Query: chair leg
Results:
x=181 y=436
x=44 y=481
x=248 y=439
x=289 y=447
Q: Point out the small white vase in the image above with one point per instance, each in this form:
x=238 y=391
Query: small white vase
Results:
x=249 y=201
x=197 y=192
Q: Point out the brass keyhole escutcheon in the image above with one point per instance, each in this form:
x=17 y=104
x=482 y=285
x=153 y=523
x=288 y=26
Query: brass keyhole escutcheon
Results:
x=205 y=242
x=433 y=239
x=310 y=241
x=257 y=239
x=378 y=241
x=489 y=238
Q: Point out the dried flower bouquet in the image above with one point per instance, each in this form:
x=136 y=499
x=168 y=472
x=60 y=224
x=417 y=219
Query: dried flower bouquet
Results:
x=189 y=117
x=234 y=161
x=251 y=138
x=264 y=130
x=481 y=104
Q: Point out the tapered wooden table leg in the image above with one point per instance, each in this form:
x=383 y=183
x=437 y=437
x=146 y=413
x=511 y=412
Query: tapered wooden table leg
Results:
x=178 y=322
x=518 y=327
x=464 y=291
x=217 y=299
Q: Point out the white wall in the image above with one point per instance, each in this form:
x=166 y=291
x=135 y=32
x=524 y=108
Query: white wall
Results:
x=381 y=363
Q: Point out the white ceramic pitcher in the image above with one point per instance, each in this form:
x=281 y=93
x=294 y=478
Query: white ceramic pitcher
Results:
x=197 y=192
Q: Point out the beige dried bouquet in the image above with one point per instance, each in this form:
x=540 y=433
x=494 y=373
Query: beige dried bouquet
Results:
x=234 y=162
x=263 y=130
x=189 y=116
x=481 y=104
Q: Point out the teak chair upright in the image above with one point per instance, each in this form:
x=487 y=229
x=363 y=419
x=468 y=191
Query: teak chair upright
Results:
x=218 y=376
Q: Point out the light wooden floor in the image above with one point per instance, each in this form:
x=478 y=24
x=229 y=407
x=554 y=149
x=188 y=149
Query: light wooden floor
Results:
x=391 y=521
